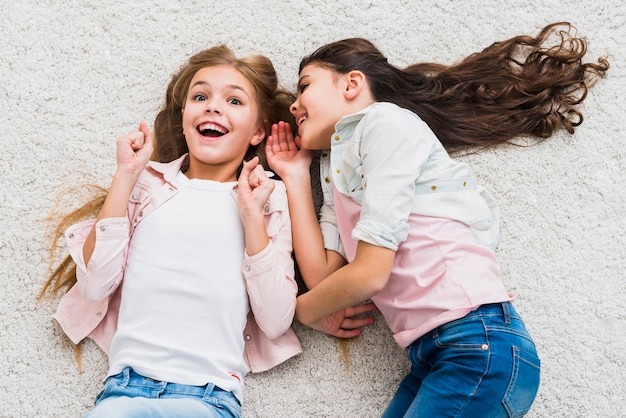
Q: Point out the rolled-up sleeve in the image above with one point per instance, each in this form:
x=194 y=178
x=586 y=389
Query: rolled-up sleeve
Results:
x=393 y=148
x=105 y=270
x=327 y=215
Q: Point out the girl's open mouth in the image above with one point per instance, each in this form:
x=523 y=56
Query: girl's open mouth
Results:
x=211 y=130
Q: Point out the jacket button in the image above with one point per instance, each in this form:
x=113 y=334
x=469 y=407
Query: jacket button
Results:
x=247 y=268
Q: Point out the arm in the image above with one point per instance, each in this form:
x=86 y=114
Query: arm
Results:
x=293 y=165
x=349 y=286
x=268 y=266
x=316 y=263
x=133 y=153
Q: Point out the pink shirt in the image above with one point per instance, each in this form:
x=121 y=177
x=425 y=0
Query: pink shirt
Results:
x=269 y=275
x=440 y=273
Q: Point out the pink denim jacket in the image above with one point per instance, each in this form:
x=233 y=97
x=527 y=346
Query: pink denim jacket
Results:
x=269 y=275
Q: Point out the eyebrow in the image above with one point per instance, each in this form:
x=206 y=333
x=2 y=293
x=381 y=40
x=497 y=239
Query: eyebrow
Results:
x=230 y=86
x=302 y=78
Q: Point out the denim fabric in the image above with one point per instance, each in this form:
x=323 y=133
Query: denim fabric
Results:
x=482 y=365
x=130 y=395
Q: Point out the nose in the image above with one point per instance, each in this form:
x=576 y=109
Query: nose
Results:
x=212 y=106
x=294 y=108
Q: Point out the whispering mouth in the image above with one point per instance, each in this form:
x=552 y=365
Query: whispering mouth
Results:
x=212 y=130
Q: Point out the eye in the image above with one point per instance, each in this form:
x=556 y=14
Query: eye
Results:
x=234 y=101
x=199 y=97
x=302 y=88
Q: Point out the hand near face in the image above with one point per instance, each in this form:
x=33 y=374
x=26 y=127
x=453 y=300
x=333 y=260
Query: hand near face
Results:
x=254 y=188
x=284 y=154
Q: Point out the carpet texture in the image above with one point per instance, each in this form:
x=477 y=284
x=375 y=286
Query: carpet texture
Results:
x=77 y=74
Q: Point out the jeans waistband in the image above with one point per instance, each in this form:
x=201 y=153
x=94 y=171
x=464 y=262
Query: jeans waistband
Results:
x=503 y=309
x=135 y=379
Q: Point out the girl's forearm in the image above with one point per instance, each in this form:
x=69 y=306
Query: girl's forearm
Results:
x=349 y=286
x=308 y=244
x=255 y=233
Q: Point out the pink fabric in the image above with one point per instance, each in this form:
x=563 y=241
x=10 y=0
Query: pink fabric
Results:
x=439 y=273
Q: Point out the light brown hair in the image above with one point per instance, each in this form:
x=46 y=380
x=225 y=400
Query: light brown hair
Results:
x=169 y=142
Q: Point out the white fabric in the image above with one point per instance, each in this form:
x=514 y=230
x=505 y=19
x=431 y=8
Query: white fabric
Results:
x=184 y=303
x=389 y=161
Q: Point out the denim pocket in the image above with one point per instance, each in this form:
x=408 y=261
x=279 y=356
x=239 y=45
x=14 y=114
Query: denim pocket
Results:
x=466 y=333
x=524 y=383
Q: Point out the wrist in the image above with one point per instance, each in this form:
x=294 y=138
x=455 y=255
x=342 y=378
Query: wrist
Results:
x=125 y=176
x=300 y=314
x=295 y=179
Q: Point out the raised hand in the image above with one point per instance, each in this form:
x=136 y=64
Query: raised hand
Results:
x=254 y=187
x=134 y=150
x=284 y=155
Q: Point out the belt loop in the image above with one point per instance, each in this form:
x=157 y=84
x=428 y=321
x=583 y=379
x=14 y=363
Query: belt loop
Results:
x=506 y=311
x=125 y=376
x=208 y=391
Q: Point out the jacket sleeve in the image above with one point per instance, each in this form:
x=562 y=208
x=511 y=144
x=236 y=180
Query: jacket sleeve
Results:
x=269 y=275
x=105 y=270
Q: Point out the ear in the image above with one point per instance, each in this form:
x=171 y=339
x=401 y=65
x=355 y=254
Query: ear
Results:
x=258 y=136
x=355 y=82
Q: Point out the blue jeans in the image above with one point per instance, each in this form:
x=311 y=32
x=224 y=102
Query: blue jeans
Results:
x=482 y=365
x=129 y=394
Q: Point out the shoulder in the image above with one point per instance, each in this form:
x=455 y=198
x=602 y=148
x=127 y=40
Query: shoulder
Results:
x=391 y=121
x=392 y=114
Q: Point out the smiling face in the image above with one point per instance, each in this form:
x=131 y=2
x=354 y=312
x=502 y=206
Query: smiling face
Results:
x=320 y=104
x=220 y=122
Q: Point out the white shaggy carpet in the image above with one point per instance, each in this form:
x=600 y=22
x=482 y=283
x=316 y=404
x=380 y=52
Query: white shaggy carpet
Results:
x=76 y=74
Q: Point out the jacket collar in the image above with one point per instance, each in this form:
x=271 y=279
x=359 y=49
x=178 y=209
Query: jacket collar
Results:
x=171 y=169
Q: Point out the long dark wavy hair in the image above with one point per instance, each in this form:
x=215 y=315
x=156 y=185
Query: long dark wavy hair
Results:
x=520 y=86
x=169 y=142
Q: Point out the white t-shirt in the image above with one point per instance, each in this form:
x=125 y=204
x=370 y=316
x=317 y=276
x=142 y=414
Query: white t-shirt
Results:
x=184 y=302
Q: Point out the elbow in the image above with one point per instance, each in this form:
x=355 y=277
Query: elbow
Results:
x=89 y=291
x=93 y=295
x=377 y=283
x=278 y=328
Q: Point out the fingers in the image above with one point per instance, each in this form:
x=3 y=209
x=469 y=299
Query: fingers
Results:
x=360 y=309
x=147 y=133
x=257 y=176
x=247 y=168
x=139 y=138
x=346 y=333
x=350 y=322
x=253 y=173
x=281 y=138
